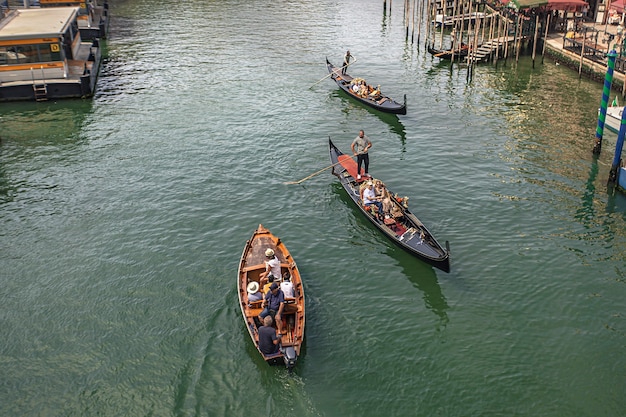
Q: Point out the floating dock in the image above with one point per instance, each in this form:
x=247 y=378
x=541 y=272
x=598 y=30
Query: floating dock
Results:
x=43 y=57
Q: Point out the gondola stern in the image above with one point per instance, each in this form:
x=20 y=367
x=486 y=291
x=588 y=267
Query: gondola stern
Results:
x=404 y=106
x=445 y=265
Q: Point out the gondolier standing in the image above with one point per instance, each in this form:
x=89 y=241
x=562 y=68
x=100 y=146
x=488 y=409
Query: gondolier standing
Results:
x=360 y=145
x=346 y=62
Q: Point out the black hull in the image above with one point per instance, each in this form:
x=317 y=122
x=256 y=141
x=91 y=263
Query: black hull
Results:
x=417 y=240
x=343 y=81
x=447 y=54
x=82 y=86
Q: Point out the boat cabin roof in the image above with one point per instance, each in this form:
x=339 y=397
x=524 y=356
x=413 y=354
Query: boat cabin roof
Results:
x=37 y=23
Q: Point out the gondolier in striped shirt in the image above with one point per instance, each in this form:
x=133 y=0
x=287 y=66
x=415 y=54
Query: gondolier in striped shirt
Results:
x=360 y=145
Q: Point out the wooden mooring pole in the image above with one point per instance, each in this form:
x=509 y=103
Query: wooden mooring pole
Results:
x=545 y=38
x=582 y=54
x=535 y=39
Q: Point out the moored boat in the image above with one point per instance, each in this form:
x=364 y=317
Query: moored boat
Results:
x=448 y=53
x=42 y=56
x=373 y=98
x=396 y=222
x=613 y=118
x=93 y=18
x=251 y=265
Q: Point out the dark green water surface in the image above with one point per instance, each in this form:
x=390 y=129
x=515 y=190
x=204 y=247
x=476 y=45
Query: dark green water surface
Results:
x=122 y=220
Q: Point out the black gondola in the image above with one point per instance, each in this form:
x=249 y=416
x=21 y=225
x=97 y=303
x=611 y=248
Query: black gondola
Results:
x=447 y=53
x=382 y=102
x=397 y=223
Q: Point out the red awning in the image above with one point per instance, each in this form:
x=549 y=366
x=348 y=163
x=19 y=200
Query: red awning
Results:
x=617 y=5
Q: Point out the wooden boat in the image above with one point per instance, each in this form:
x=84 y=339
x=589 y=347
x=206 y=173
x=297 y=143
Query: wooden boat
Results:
x=447 y=53
x=251 y=264
x=381 y=102
x=399 y=224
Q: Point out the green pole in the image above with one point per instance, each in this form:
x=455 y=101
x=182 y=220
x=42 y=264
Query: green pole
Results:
x=606 y=92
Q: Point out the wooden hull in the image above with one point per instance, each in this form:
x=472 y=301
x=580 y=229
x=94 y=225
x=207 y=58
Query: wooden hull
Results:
x=447 y=54
x=388 y=105
x=403 y=227
x=251 y=265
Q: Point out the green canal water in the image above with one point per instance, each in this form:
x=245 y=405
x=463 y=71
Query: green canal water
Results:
x=122 y=220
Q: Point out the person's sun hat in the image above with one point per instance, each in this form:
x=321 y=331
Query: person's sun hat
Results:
x=253 y=287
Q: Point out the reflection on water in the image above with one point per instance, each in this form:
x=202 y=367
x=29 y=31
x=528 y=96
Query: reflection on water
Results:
x=586 y=212
x=392 y=120
x=424 y=278
x=29 y=131
x=421 y=274
x=616 y=202
x=40 y=122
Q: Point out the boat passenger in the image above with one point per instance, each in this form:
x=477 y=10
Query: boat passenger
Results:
x=273 y=305
x=375 y=94
x=272 y=265
x=370 y=198
x=286 y=286
x=363 y=90
x=269 y=341
x=383 y=194
x=270 y=281
x=253 y=292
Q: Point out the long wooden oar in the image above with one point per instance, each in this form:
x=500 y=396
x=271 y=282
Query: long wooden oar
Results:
x=315 y=173
x=332 y=73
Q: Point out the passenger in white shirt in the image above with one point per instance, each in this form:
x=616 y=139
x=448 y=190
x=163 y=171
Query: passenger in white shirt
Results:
x=287 y=287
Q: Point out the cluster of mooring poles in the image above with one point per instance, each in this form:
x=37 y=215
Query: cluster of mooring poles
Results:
x=488 y=34
x=491 y=34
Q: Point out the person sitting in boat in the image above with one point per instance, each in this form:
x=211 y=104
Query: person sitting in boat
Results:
x=269 y=341
x=270 y=281
x=272 y=265
x=253 y=292
x=363 y=90
x=375 y=94
x=287 y=286
x=371 y=199
x=273 y=305
x=383 y=195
